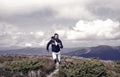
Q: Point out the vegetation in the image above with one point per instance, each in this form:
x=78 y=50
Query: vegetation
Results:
x=23 y=68
x=41 y=66
x=83 y=68
x=117 y=66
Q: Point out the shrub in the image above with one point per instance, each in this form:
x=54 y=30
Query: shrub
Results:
x=83 y=68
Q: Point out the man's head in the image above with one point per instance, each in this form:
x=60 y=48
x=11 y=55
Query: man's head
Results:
x=56 y=36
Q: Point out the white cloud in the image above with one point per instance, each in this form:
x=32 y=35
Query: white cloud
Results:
x=40 y=33
x=6 y=35
x=37 y=34
x=82 y=34
x=43 y=43
x=97 y=29
x=91 y=33
x=12 y=36
x=28 y=45
x=7 y=29
x=90 y=27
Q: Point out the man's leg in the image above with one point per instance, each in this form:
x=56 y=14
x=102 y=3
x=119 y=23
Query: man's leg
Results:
x=54 y=57
x=59 y=57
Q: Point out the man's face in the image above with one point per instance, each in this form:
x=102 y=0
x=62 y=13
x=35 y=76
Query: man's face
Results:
x=56 y=36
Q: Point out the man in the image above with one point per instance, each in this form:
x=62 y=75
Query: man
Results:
x=56 y=45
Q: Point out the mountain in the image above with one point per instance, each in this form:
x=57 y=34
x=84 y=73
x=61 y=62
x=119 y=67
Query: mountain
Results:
x=26 y=50
x=35 y=50
x=78 y=51
x=103 y=52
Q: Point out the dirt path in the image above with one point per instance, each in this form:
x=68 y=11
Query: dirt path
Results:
x=55 y=72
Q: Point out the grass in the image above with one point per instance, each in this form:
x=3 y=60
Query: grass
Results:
x=117 y=66
x=22 y=67
x=83 y=68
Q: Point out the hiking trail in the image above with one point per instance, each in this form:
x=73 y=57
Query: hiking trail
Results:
x=55 y=72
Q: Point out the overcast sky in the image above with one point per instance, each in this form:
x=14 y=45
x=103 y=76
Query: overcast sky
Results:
x=78 y=22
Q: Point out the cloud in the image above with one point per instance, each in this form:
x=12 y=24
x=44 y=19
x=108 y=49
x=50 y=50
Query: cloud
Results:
x=96 y=29
x=82 y=34
x=12 y=36
x=104 y=9
x=6 y=35
x=90 y=33
x=114 y=5
x=63 y=9
x=7 y=29
x=69 y=9
x=98 y=20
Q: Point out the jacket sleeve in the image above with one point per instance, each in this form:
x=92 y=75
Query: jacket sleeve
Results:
x=61 y=44
x=48 y=44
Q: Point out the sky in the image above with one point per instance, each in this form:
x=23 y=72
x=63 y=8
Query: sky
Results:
x=79 y=23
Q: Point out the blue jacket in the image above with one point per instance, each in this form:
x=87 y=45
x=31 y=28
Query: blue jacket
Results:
x=55 y=48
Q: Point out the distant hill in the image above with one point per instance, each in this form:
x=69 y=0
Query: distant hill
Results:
x=35 y=50
x=27 y=50
x=78 y=51
x=103 y=52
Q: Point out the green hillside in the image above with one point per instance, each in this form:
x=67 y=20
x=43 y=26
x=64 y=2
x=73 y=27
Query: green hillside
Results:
x=83 y=68
x=25 y=66
x=42 y=66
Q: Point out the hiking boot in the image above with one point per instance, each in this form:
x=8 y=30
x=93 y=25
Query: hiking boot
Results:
x=60 y=62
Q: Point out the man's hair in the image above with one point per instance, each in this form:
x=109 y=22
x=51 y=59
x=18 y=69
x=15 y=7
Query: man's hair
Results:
x=56 y=34
x=52 y=37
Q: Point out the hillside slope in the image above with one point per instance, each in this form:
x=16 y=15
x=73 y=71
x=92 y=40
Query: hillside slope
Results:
x=42 y=66
x=103 y=52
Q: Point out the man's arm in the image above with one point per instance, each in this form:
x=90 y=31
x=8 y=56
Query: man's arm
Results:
x=61 y=44
x=48 y=44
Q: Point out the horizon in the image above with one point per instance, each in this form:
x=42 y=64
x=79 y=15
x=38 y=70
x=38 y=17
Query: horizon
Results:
x=18 y=47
